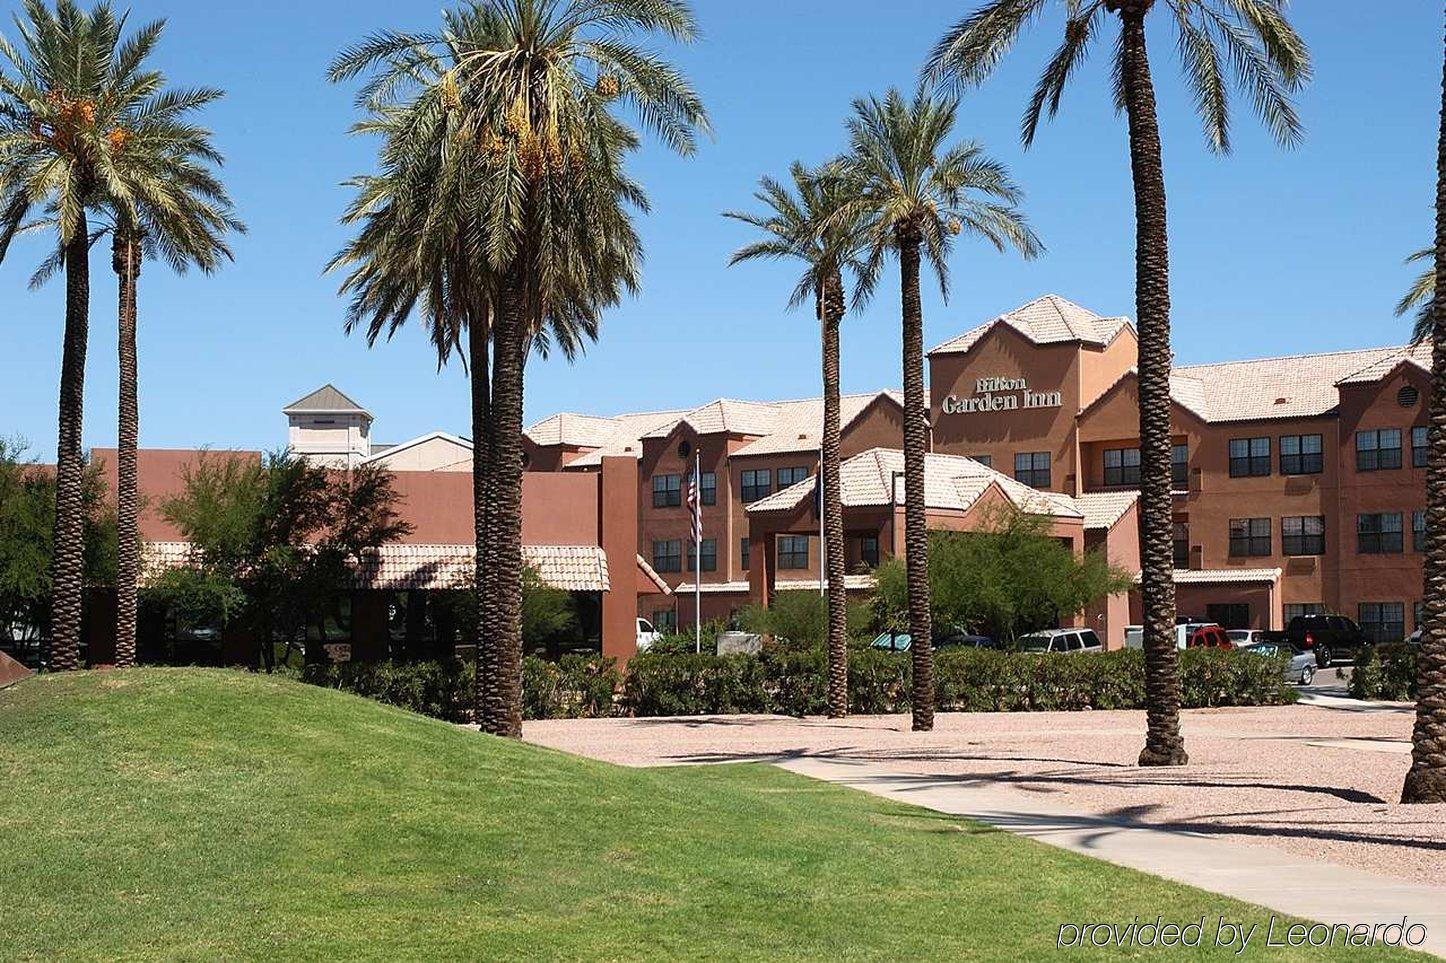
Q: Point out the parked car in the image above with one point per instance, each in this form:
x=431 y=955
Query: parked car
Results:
x=1067 y=641
x=1243 y=637
x=1302 y=665
x=1206 y=636
x=958 y=639
x=647 y=635
x=1330 y=637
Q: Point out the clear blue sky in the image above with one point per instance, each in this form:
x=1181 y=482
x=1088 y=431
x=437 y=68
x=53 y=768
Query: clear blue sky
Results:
x=1273 y=252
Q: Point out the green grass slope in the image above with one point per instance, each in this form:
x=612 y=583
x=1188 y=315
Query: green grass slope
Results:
x=210 y=814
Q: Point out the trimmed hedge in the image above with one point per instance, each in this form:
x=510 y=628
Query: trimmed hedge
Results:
x=1386 y=673
x=792 y=683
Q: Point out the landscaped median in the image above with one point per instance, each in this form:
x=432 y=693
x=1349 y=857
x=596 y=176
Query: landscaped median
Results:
x=792 y=683
x=215 y=814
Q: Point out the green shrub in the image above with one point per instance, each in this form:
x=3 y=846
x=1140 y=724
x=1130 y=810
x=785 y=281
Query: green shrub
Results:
x=1385 y=672
x=574 y=687
x=691 y=685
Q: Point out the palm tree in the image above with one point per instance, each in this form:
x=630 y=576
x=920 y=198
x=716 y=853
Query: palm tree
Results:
x=810 y=224
x=524 y=90
x=1426 y=780
x=1420 y=296
x=1249 y=42
x=917 y=194
x=63 y=90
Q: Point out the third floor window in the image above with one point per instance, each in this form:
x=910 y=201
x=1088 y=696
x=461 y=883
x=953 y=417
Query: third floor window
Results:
x=1418 y=530
x=1122 y=466
x=1249 y=457
x=1378 y=449
x=1303 y=535
x=1032 y=468
x=1301 y=454
x=708 y=488
x=756 y=484
x=791 y=476
x=667 y=491
x=1418 y=447
x=1182 y=544
x=1378 y=534
x=1249 y=537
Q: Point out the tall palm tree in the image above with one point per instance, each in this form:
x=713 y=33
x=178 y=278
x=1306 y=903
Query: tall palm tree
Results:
x=63 y=89
x=1426 y=779
x=918 y=194
x=1420 y=296
x=524 y=91
x=1247 y=42
x=811 y=224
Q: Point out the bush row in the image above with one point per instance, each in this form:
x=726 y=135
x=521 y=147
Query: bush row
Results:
x=1385 y=672
x=792 y=683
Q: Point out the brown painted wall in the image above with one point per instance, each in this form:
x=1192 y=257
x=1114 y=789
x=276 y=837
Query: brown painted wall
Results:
x=11 y=671
x=880 y=425
x=161 y=475
x=616 y=509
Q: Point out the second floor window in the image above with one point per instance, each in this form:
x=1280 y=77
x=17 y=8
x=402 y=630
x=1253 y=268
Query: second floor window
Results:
x=710 y=556
x=667 y=491
x=1301 y=455
x=1383 y=621
x=1304 y=535
x=745 y=556
x=756 y=484
x=1378 y=449
x=1180 y=467
x=1418 y=447
x=1032 y=468
x=1378 y=534
x=668 y=555
x=1122 y=466
x=1418 y=530
x=1249 y=457
x=1249 y=537
x=791 y=476
x=708 y=488
x=1182 y=544
x=792 y=551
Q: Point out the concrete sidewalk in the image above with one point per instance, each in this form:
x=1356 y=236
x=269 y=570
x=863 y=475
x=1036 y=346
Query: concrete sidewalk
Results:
x=1277 y=880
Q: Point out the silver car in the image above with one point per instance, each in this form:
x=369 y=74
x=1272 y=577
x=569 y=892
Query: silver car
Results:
x=1300 y=669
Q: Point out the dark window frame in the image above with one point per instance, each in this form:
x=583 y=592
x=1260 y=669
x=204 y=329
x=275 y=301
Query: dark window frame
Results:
x=1374 y=537
x=1375 y=621
x=1125 y=472
x=1254 y=458
x=1180 y=466
x=869 y=558
x=670 y=558
x=754 y=484
x=1418 y=530
x=794 y=474
x=1373 y=453
x=1304 y=539
x=1254 y=537
x=1180 y=537
x=1028 y=470
x=667 y=491
x=745 y=552
x=789 y=552
x=708 y=488
x=1420 y=446
x=1301 y=460
x=710 y=555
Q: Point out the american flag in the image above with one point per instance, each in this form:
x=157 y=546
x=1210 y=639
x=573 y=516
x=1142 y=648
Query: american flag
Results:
x=693 y=506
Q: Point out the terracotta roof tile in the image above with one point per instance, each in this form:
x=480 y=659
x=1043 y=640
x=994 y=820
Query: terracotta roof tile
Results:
x=1047 y=320
x=1103 y=509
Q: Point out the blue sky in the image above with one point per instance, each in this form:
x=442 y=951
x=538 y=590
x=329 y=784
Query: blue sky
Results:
x=1273 y=252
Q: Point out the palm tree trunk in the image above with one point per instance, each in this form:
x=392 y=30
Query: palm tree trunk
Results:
x=480 y=367
x=504 y=577
x=67 y=563
x=1164 y=745
x=831 y=311
x=916 y=443
x=126 y=258
x=1426 y=780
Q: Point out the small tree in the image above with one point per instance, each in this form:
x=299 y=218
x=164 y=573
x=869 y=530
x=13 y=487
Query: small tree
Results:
x=1009 y=579
x=274 y=543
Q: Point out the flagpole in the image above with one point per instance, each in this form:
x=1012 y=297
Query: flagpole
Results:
x=698 y=552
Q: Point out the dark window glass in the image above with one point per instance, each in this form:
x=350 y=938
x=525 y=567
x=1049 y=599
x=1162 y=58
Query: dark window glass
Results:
x=667 y=491
x=1032 y=468
x=1249 y=457
x=1182 y=544
x=792 y=551
x=1418 y=447
x=1230 y=615
x=665 y=620
x=1301 y=455
x=708 y=488
x=1383 y=621
x=1418 y=614
x=1418 y=530
x=986 y=460
x=756 y=484
x=869 y=550
x=1304 y=535
x=1122 y=466
x=1378 y=534
x=1378 y=449
x=1180 y=466
x=745 y=556
x=1293 y=609
x=1249 y=537
x=668 y=555
x=791 y=476
x=710 y=556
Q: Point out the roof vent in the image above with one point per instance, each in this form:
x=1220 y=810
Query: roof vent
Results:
x=803 y=436
x=1282 y=401
x=1408 y=396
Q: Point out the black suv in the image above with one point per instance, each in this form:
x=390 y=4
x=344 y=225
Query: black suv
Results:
x=1330 y=637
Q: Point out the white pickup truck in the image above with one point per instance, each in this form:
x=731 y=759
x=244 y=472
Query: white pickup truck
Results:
x=647 y=635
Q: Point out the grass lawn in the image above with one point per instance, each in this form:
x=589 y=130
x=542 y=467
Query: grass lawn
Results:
x=163 y=813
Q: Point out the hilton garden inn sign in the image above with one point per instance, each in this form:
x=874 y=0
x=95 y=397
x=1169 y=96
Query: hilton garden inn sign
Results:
x=1001 y=394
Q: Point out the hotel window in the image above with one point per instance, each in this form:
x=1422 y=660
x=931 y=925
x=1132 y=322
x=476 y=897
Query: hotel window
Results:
x=792 y=551
x=1418 y=530
x=1301 y=455
x=1180 y=466
x=668 y=555
x=1383 y=621
x=1378 y=449
x=791 y=476
x=665 y=620
x=1418 y=613
x=1418 y=447
x=1182 y=544
x=986 y=460
x=1296 y=609
x=667 y=491
x=710 y=556
x=745 y=557
x=1122 y=466
x=869 y=550
x=1378 y=534
x=708 y=488
x=1249 y=457
x=1304 y=535
x=756 y=484
x=1032 y=468
x=1249 y=537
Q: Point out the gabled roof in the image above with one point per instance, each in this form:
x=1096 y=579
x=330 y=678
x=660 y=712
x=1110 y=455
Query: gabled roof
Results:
x=800 y=426
x=384 y=452
x=726 y=416
x=1047 y=320
x=951 y=482
x=1295 y=386
x=1103 y=509
x=1413 y=354
x=1186 y=391
x=328 y=400
x=573 y=430
x=624 y=438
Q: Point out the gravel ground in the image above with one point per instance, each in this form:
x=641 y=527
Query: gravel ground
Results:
x=1315 y=781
